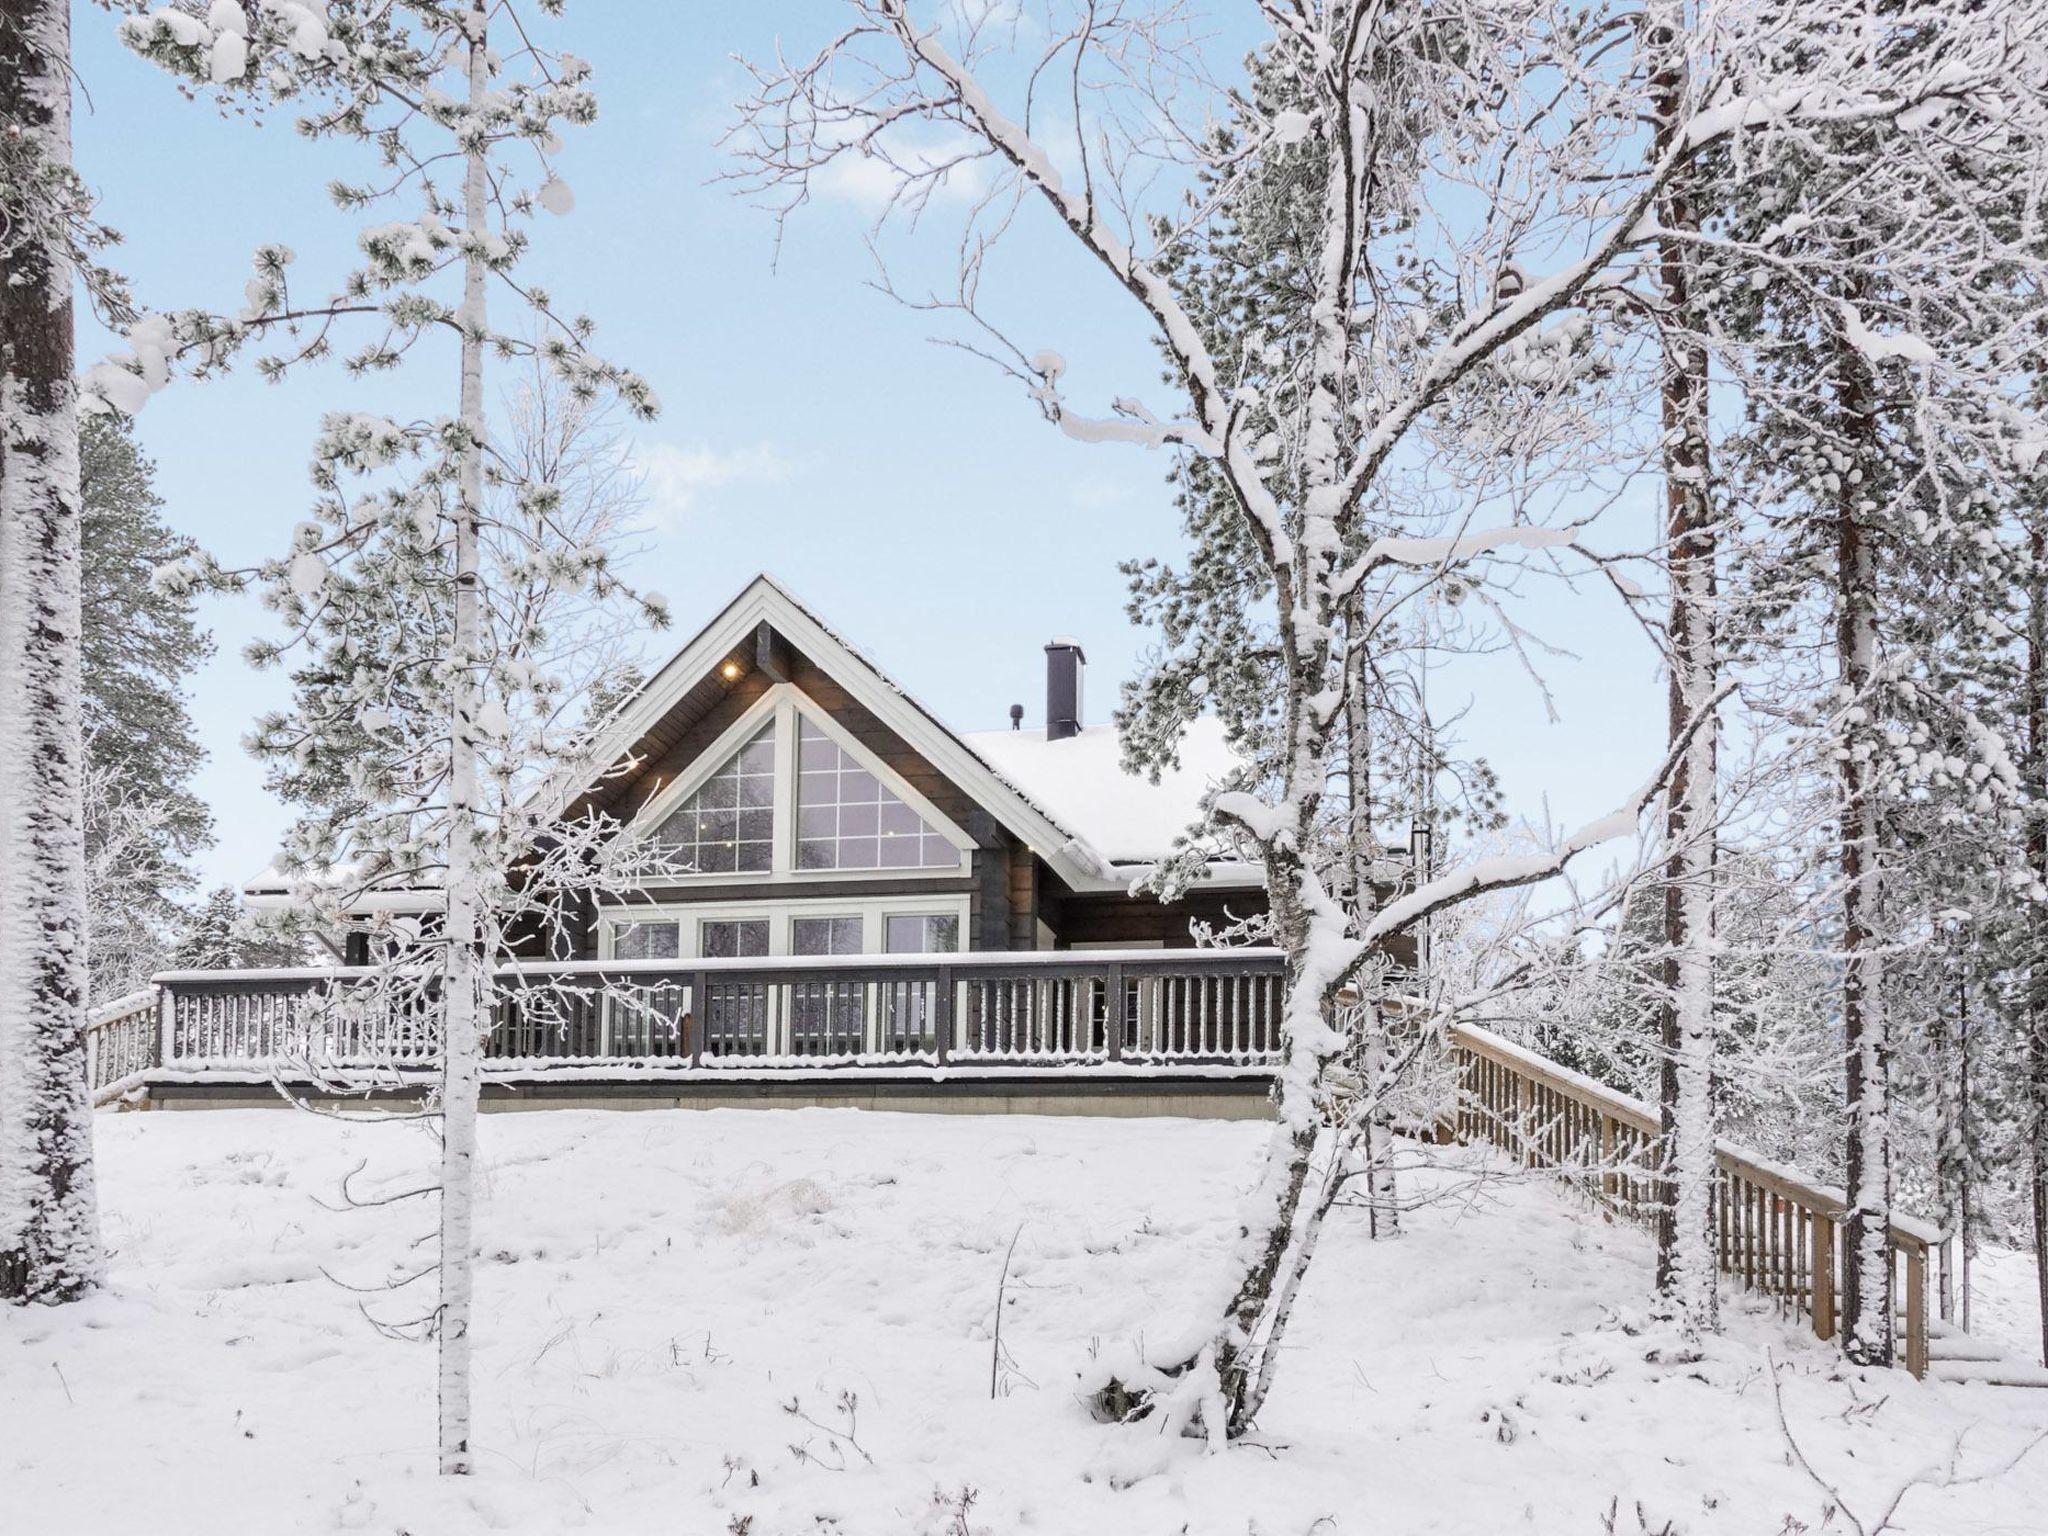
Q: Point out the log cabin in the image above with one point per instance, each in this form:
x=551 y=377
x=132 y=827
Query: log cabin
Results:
x=855 y=902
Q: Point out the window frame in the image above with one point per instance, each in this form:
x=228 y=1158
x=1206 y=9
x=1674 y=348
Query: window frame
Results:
x=690 y=916
x=784 y=703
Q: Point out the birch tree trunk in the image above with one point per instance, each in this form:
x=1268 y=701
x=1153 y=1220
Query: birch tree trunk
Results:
x=49 y=1219
x=463 y=980
x=1868 y=1327
x=1685 y=1235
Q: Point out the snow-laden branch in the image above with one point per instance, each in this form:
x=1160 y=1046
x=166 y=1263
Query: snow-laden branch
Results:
x=1506 y=872
x=1448 y=552
x=1081 y=214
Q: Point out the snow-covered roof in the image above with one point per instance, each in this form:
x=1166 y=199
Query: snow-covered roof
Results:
x=275 y=889
x=1080 y=784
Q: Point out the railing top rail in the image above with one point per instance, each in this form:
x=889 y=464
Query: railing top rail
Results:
x=121 y=1008
x=1827 y=1199
x=1244 y=959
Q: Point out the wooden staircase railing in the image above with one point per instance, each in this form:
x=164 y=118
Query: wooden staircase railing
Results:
x=1777 y=1234
x=122 y=1043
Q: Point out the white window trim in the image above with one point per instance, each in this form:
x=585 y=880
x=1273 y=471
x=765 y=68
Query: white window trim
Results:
x=784 y=702
x=873 y=911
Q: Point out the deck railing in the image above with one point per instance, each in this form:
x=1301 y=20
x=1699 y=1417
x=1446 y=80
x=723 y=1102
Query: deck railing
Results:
x=1777 y=1234
x=121 y=1044
x=1210 y=1009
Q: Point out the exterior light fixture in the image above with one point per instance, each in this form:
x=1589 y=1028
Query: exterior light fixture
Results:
x=730 y=671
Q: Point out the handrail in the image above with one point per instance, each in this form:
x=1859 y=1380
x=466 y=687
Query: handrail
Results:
x=121 y=1044
x=993 y=959
x=1775 y=1231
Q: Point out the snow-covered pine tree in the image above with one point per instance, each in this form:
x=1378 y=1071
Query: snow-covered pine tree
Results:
x=1459 y=306
x=49 y=1222
x=1878 y=445
x=425 y=702
x=141 y=642
x=220 y=934
x=1391 y=773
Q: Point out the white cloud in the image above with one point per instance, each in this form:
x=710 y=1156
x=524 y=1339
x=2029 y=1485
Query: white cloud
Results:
x=677 y=476
x=870 y=179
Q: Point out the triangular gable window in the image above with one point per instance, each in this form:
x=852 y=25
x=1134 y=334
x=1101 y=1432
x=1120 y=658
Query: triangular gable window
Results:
x=848 y=819
x=798 y=797
x=728 y=825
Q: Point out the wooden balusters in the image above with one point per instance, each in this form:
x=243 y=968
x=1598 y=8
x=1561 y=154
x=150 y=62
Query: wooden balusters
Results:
x=1773 y=1234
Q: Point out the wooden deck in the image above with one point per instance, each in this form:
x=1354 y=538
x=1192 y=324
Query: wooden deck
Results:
x=1124 y=1022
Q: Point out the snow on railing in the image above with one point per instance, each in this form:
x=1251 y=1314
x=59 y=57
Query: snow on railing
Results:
x=120 y=1044
x=1112 y=1009
x=1775 y=1232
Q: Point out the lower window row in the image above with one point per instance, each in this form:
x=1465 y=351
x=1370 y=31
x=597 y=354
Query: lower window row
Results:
x=740 y=938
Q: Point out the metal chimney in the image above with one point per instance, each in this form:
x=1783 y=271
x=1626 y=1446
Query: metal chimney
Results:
x=1064 y=663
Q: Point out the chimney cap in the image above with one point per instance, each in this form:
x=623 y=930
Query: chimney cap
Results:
x=1066 y=643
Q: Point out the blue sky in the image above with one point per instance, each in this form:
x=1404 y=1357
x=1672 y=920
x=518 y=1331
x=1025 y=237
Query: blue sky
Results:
x=808 y=428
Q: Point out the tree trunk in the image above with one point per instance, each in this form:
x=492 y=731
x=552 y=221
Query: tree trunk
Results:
x=1383 y=1210
x=1276 y=1245
x=49 y=1217
x=464 y=966
x=1868 y=1327
x=1966 y=1170
x=1685 y=1225
x=1951 y=1060
x=2035 y=1001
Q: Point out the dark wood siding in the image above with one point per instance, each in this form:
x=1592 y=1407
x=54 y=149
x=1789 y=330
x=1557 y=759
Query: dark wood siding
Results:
x=1023 y=897
x=989 y=909
x=1118 y=919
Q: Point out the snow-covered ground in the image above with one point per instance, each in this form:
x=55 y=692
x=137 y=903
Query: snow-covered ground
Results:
x=688 y=1319
x=2005 y=1301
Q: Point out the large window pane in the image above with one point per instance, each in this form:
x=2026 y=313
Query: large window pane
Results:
x=645 y=941
x=825 y=936
x=847 y=819
x=921 y=933
x=735 y=938
x=727 y=826
x=826 y=1017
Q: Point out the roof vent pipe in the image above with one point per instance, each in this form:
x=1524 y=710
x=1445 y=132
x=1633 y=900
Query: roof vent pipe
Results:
x=1064 y=663
x=1016 y=717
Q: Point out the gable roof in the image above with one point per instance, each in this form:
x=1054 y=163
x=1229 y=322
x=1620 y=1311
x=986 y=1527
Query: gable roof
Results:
x=1068 y=801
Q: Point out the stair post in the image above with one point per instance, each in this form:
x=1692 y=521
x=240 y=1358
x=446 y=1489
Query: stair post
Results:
x=1823 y=1276
x=166 y=1027
x=1916 y=1309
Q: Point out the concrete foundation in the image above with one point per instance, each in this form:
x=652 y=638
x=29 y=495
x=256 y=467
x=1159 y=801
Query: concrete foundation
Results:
x=1191 y=1098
